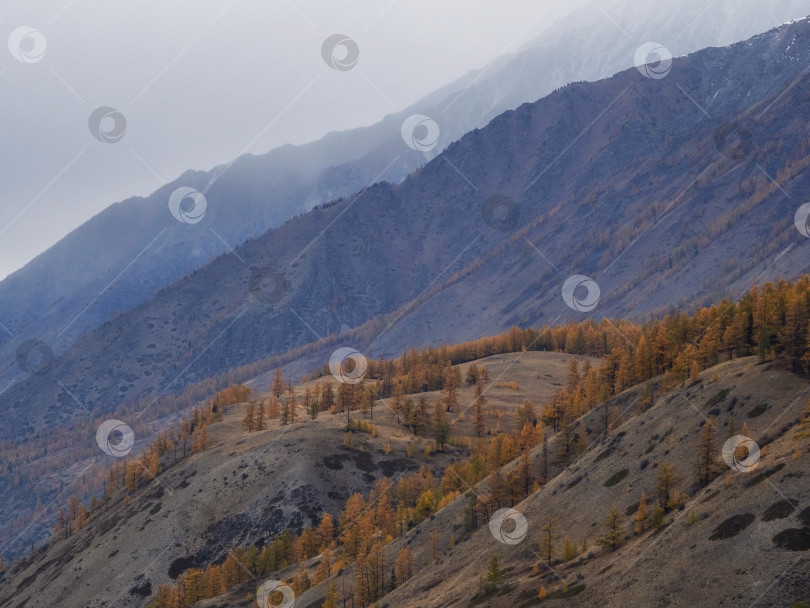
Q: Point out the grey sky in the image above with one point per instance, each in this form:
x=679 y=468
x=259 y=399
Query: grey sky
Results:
x=199 y=80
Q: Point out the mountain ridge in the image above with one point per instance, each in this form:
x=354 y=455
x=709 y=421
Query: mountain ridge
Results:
x=116 y=262
x=603 y=186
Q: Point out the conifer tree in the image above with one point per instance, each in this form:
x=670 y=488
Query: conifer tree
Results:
x=479 y=422
x=278 y=386
x=614 y=530
x=248 y=421
x=665 y=484
x=441 y=425
x=707 y=451
x=493 y=573
x=451 y=382
x=569 y=549
x=641 y=514
x=548 y=550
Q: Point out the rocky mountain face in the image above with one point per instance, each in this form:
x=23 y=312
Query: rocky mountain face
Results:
x=654 y=188
x=121 y=257
x=658 y=191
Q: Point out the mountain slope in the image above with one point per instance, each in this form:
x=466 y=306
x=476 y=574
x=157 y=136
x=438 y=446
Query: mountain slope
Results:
x=680 y=563
x=122 y=256
x=194 y=517
x=621 y=180
x=243 y=489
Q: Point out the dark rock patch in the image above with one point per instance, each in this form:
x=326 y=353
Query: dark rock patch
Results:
x=779 y=510
x=793 y=539
x=732 y=526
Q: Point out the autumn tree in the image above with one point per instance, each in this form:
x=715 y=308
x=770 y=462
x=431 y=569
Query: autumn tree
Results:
x=665 y=483
x=451 y=382
x=395 y=404
x=403 y=566
x=524 y=414
x=548 y=550
x=293 y=405
x=441 y=425
x=707 y=451
x=566 y=441
x=331 y=599
x=473 y=375
x=278 y=385
x=614 y=530
x=479 y=422
x=493 y=572
x=569 y=549
x=248 y=420
x=327 y=397
x=641 y=514
x=420 y=419
x=310 y=406
x=258 y=418
x=326 y=530
x=273 y=408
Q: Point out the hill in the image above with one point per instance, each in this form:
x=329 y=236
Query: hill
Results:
x=706 y=549
x=681 y=448
x=591 y=193
x=245 y=488
x=122 y=256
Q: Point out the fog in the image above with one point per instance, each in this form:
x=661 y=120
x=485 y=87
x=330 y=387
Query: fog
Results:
x=198 y=82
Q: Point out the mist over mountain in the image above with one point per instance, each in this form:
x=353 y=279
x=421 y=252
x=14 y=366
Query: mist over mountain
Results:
x=655 y=189
x=122 y=256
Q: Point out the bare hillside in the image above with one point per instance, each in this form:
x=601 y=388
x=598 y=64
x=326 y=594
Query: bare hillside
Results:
x=245 y=488
x=740 y=540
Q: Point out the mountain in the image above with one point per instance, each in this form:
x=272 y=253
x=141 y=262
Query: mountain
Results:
x=247 y=508
x=654 y=188
x=121 y=257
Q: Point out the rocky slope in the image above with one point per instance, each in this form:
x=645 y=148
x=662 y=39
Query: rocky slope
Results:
x=665 y=191
x=124 y=255
x=621 y=180
x=740 y=539
x=241 y=490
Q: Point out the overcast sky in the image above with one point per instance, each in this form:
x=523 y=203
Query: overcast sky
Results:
x=198 y=80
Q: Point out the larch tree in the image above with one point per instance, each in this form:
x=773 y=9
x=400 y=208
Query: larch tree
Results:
x=524 y=414
x=548 y=550
x=395 y=404
x=493 y=572
x=451 y=382
x=569 y=549
x=327 y=397
x=421 y=421
x=273 y=408
x=293 y=408
x=403 y=566
x=258 y=418
x=573 y=378
x=331 y=598
x=441 y=425
x=707 y=451
x=479 y=421
x=278 y=385
x=326 y=530
x=614 y=530
x=473 y=374
x=248 y=420
x=665 y=483
x=641 y=514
